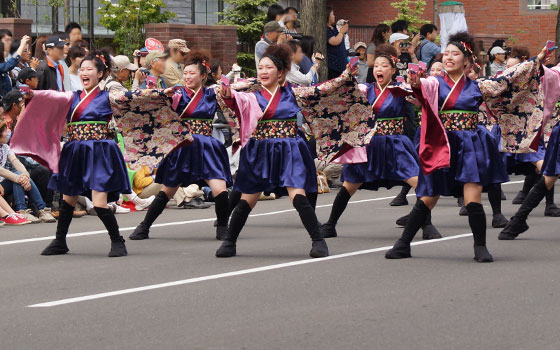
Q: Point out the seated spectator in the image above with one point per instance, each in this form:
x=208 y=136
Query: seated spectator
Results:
x=380 y=36
x=29 y=77
x=143 y=184
x=178 y=50
x=74 y=60
x=363 y=67
x=13 y=104
x=122 y=68
x=427 y=48
x=273 y=34
x=26 y=60
x=51 y=72
x=7 y=215
x=74 y=31
x=19 y=183
x=294 y=76
x=11 y=63
x=156 y=62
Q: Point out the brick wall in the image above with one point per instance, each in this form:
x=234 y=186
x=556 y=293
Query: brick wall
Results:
x=487 y=20
x=221 y=41
x=18 y=26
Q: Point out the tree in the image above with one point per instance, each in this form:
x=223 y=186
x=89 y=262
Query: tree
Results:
x=249 y=17
x=410 y=11
x=127 y=18
x=313 y=23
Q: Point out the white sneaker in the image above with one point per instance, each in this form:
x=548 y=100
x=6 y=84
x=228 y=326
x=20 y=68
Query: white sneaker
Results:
x=141 y=204
x=28 y=216
x=121 y=210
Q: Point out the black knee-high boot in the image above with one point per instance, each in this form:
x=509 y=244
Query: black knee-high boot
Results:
x=233 y=200
x=429 y=231
x=238 y=220
x=530 y=181
x=495 y=199
x=108 y=218
x=416 y=219
x=222 y=214
x=312 y=198
x=551 y=209
x=142 y=231
x=477 y=222
x=328 y=230
x=518 y=223
x=58 y=246
x=400 y=199
x=307 y=215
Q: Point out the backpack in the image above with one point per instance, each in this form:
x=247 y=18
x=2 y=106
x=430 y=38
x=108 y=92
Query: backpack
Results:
x=418 y=51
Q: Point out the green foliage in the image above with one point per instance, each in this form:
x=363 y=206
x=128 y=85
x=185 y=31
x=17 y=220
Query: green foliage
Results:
x=249 y=17
x=513 y=40
x=127 y=18
x=410 y=11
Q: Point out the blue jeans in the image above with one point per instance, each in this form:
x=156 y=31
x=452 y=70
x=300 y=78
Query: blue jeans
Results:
x=19 y=194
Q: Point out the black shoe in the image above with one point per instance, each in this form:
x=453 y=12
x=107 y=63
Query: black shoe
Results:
x=140 y=233
x=552 y=210
x=196 y=203
x=216 y=223
x=519 y=198
x=398 y=201
x=502 y=195
x=328 y=230
x=402 y=221
x=118 y=249
x=482 y=255
x=513 y=229
x=221 y=233
x=319 y=249
x=430 y=232
x=499 y=221
x=400 y=250
x=463 y=211
x=226 y=250
x=56 y=247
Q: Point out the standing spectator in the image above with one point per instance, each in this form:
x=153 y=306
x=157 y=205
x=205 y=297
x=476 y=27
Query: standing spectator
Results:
x=26 y=60
x=174 y=69
x=294 y=76
x=380 y=36
x=275 y=13
x=336 y=51
x=40 y=53
x=405 y=50
x=6 y=37
x=74 y=32
x=428 y=49
x=360 y=49
x=13 y=104
x=308 y=47
x=156 y=62
x=290 y=20
x=121 y=70
x=11 y=63
x=400 y=26
x=215 y=76
x=339 y=25
x=74 y=60
x=83 y=44
x=273 y=33
x=66 y=78
x=499 y=63
x=50 y=70
x=19 y=183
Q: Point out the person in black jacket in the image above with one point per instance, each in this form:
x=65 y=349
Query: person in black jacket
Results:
x=51 y=73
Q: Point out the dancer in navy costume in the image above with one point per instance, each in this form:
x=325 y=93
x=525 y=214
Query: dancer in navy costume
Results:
x=275 y=156
x=91 y=162
x=205 y=159
x=475 y=160
x=392 y=158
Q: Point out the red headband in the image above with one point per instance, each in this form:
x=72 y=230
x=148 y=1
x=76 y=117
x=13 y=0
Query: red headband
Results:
x=205 y=64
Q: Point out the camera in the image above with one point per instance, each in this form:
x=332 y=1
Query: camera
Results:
x=404 y=44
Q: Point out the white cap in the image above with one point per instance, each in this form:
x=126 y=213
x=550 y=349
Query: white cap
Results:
x=497 y=50
x=121 y=62
x=397 y=36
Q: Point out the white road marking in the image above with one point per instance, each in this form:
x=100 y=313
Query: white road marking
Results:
x=123 y=229
x=230 y=274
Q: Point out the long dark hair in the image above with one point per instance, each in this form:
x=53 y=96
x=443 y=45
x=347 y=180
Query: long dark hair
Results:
x=328 y=13
x=377 y=37
x=307 y=45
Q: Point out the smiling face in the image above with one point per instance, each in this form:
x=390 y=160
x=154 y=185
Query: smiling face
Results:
x=89 y=75
x=454 y=61
x=383 y=71
x=436 y=69
x=4 y=135
x=192 y=77
x=268 y=73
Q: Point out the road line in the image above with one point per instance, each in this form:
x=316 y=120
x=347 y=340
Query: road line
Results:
x=229 y=274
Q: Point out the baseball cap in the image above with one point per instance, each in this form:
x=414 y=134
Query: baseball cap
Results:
x=272 y=26
x=178 y=44
x=26 y=73
x=397 y=36
x=54 y=41
x=14 y=96
x=497 y=50
x=153 y=55
x=360 y=44
x=121 y=62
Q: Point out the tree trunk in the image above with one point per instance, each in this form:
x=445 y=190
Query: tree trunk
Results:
x=557 y=32
x=313 y=23
x=66 y=12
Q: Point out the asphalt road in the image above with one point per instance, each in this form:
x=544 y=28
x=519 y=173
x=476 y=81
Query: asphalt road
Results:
x=172 y=293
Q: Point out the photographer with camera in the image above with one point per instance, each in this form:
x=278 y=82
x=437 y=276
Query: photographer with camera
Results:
x=406 y=51
x=336 y=49
x=273 y=34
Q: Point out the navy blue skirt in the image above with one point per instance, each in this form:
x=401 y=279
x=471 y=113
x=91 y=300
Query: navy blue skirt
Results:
x=519 y=163
x=475 y=158
x=551 y=165
x=272 y=164
x=204 y=159
x=392 y=159
x=91 y=165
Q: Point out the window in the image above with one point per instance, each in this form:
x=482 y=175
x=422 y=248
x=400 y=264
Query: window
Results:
x=206 y=11
x=541 y=4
